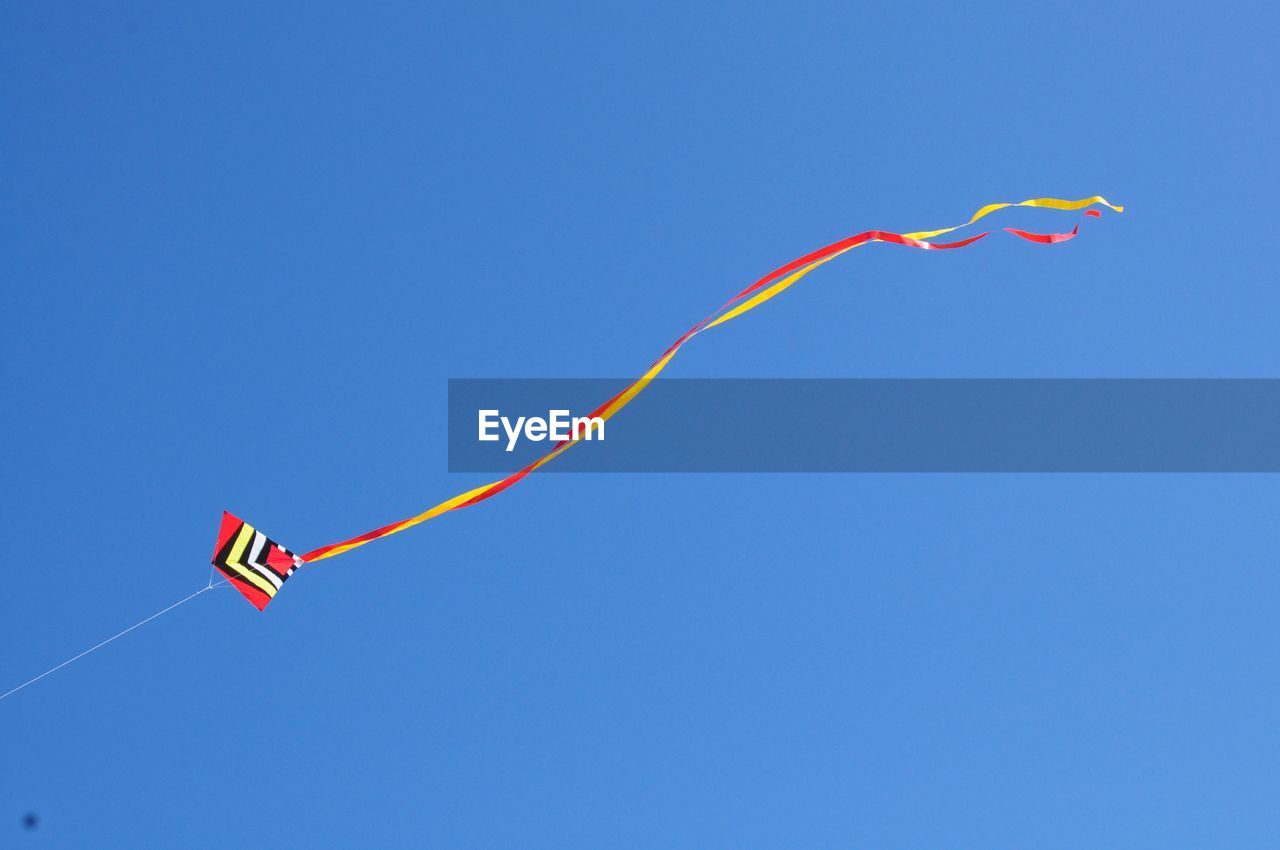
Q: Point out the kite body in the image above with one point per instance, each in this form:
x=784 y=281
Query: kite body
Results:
x=254 y=564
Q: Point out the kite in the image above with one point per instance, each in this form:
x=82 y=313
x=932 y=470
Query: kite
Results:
x=258 y=567
x=253 y=564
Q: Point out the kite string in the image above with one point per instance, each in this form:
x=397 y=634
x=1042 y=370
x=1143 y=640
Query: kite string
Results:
x=108 y=640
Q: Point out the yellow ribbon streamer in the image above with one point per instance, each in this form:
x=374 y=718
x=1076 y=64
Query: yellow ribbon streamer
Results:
x=644 y=380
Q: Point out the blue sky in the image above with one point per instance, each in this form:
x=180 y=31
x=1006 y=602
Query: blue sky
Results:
x=244 y=248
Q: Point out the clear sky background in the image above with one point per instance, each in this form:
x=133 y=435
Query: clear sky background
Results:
x=243 y=249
